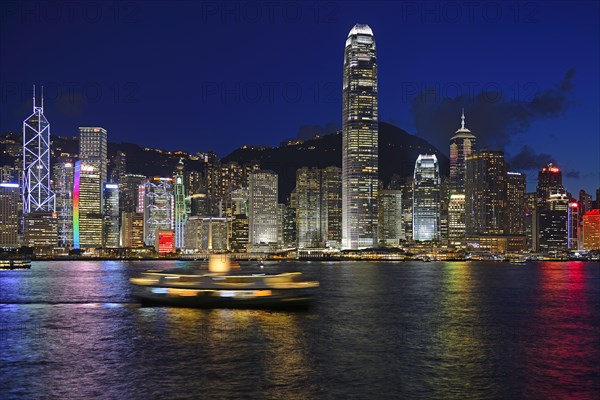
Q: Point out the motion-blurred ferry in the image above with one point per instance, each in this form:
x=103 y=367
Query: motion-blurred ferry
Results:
x=218 y=289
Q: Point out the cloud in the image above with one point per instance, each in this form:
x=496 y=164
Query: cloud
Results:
x=308 y=131
x=492 y=117
x=572 y=174
x=528 y=159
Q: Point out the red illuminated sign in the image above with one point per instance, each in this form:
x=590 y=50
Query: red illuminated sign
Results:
x=166 y=241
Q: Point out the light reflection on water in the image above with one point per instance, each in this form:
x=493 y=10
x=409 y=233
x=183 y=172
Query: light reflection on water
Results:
x=411 y=330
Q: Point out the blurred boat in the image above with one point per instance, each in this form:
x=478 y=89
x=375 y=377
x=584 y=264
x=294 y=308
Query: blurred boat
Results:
x=218 y=289
x=15 y=263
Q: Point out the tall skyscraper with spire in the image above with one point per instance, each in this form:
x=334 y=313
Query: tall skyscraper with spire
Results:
x=462 y=145
x=359 y=140
x=37 y=194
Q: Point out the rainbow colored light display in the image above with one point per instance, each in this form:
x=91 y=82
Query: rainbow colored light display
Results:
x=76 y=181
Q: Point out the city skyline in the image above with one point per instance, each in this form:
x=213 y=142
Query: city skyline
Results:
x=525 y=129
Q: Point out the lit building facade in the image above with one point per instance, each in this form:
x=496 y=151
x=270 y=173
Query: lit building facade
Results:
x=331 y=187
x=426 y=199
x=262 y=204
x=360 y=140
x=41 y=231
x=310 y=215
x=111 y=216
x=591 y=230
x=156 y=203
x=456 y=219
x=573 y=226
x=36 y=192
x=553 y=224
x=391 y=231
x=462 y=145
x=93 y=149
x=515 y=203
x=180 y=213
x=87 y=207
x=10 y=202
x=63 y=188
x=485 y=193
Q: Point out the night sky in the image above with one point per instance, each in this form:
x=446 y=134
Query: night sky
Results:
x=215 y=75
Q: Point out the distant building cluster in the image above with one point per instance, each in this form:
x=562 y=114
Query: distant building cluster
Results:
x=89 y=203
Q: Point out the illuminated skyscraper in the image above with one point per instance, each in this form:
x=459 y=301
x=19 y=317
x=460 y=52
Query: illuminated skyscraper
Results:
x=331 y=186
x=549 y=182
x=179 y=206
x=515 y=203
x=263 y=216
x=591 y=230
x=111 y=217
x=93 y=149
x=87 y=207
x=426 y=199
x=462 y=145
x=456 y=219
x=485 y=193
x=62 y=182
x=36 y=191
x=390 y=227
x=9 y=214
x=553 y=224
x=573 y=226
x=157 y=205
x=359 y=140
x=310 y=221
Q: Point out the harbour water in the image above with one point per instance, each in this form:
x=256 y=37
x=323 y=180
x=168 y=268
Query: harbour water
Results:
x=71 y=330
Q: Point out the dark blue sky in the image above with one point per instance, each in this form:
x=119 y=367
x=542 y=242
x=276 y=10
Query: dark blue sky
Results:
x=216 y=75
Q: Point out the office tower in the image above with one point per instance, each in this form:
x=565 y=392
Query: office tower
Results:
x=93 y=150
x=132 y=229
x=585 y=202
x=549 y=182
x=206 y=233
x=485 y=193
x=120 y=167
x=111 y=217
x=10 y=195
x=331 y=186
x=596 y=204
x=129 y=188
x=456 y=219
x=407 y=206
x=36 y=192
x=179 y=209
x=193 y=182
x=573 y=226
x=239 y=201
x=263 y=221
x=310 y=224
x=515 y=203
x=156 y=203
x=531 y=223
x=591 y=230
x=390 y=227
x=87 y=206
x=444 y=204
x=289 y=227
x=359 y=140
x=239 y=233
x=462 y=145
x=281 y=211
x=553 y=224
x=426 y=199
x=200 y=205
x=63 y=188
x=41 y=231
